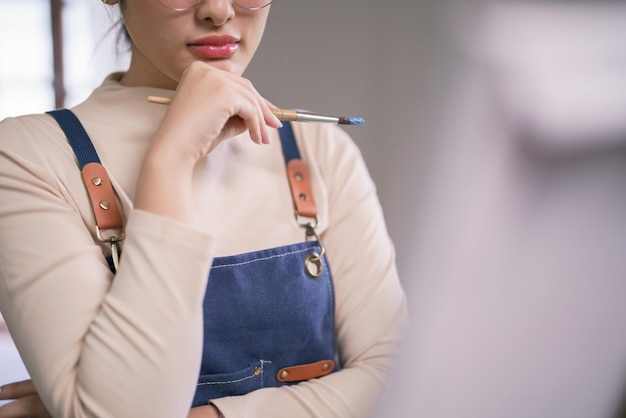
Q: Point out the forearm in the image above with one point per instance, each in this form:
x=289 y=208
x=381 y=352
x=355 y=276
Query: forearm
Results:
x=96 y=347
x=126 y=350
x=348 y=393
x=144 y=345
x=164 y=184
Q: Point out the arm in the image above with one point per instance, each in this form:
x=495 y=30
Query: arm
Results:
x=27 y=403
x=370 y=304
x=92 y=345
x=89 y=342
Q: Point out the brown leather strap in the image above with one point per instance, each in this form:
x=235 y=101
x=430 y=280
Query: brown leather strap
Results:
x=102 y=196
x=305 y=371
x=301 y=191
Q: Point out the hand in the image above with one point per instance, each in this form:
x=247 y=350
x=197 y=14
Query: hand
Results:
x=210 y=106
x=205 y=411
x=27 y=402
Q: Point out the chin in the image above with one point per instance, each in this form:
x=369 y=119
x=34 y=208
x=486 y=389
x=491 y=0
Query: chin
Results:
x=227 y=65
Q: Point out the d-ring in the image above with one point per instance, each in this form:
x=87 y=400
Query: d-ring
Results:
x=313 y=265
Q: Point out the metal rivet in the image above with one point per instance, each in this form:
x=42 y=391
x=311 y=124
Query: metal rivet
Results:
x=105 y=204
x=284 y=374
x=303 y=196
x=257 y=370
x=298 y=176
x=325 y=367
x=96 y=181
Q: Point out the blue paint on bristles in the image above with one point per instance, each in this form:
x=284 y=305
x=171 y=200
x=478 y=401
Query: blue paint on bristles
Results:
x=352 y=121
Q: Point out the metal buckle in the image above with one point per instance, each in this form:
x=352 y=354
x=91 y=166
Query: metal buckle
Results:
x=113 y=241
x=313 y=263
x=305 y=221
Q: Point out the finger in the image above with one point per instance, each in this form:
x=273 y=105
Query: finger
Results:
x=269 y=103
x=264 y=132
x=270 y=118
x=252 y=114
x=17 y=390
x=28 y=406
x=262 y=115
x=264 y=120
x=245 y=115
x=254 y=125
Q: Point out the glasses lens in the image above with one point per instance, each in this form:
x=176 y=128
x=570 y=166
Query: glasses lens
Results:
x=179 y=4
x=253 y=4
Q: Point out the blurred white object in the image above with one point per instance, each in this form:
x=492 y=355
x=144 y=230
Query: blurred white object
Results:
x=518 y=303
x=560 y=66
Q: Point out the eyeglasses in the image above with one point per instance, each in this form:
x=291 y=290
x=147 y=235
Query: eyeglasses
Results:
x=180 y=5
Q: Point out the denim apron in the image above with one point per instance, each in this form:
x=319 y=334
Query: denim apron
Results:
x=268 y=314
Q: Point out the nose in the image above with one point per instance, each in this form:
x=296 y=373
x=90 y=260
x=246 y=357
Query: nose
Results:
x=217 y=11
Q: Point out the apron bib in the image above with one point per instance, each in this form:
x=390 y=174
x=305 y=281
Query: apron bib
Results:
x=268 y=314
x=266 y=322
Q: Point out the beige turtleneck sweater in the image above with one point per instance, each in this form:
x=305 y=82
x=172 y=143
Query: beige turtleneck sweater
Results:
x=131 y=347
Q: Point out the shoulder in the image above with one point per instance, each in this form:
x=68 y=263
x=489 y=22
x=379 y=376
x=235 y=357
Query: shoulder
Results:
x=339 y=173
x=326 y=145
x=35 y=143
x=29 y=132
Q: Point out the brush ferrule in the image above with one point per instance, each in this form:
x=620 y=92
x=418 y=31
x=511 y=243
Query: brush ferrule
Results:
x=312 y=117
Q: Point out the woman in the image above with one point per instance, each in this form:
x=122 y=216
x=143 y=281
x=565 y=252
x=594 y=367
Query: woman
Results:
x=130 y=337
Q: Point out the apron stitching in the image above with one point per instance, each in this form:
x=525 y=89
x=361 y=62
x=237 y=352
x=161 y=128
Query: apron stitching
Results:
x=238 y=380
x=262 y=258
x=263 y=371
x=226 y=382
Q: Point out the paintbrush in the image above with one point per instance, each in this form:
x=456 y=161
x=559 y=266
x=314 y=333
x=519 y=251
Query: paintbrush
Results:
x=289 y=115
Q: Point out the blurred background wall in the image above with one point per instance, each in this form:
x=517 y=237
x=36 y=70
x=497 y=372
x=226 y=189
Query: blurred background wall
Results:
x=518 y=292
x=373 y=59
x=355 y=58
x=495 y=134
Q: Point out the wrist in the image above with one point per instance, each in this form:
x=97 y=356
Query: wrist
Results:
x=176 y=143
x=164 y=185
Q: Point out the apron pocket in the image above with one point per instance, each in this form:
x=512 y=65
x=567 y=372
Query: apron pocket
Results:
x=212 y=386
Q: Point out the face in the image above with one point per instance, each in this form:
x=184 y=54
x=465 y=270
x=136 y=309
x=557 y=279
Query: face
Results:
x=166 y=42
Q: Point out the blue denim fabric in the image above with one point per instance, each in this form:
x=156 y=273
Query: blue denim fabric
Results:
x=262 y=312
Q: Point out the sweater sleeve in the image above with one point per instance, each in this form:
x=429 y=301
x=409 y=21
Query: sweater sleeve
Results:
x=94 y=345
x=370 y=303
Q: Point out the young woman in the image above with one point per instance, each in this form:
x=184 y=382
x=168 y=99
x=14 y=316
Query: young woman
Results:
x=190 y=287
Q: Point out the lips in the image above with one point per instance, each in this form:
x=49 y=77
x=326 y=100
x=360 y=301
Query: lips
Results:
x=214 y=46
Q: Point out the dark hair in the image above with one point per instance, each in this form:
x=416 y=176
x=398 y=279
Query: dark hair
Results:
x=122 y=40
x=123 y=37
